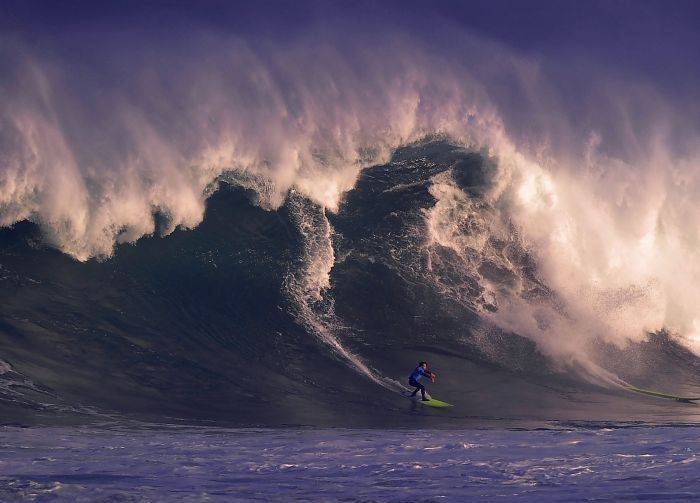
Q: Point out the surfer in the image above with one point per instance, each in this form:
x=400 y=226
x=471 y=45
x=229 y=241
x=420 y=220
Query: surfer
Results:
x=421 y=371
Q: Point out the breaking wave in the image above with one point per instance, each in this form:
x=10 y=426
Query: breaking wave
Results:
x=320 y=215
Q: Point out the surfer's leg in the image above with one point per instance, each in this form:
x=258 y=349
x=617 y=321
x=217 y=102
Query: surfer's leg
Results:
x=418 y=387
x=415 y=384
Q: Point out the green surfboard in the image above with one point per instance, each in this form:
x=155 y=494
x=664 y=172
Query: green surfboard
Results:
x=657 y=394
x=439 y=404
x=433 y=402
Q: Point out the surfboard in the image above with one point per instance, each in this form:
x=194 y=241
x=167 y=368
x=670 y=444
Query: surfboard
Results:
x=658 y=394
x=433 y=402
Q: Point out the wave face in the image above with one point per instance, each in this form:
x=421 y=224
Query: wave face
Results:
x=302 y=316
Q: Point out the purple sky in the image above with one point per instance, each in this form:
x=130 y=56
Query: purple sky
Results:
x=659 y=40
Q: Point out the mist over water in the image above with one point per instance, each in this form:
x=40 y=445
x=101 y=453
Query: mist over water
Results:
x=579 y=230
x=157 y=124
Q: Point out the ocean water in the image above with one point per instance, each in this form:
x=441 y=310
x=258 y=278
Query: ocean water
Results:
x=560 y=463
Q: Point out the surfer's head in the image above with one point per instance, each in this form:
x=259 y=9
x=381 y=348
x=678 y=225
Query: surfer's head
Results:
x=423 y=364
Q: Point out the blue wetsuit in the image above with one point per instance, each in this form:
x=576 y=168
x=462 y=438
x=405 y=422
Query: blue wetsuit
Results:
x=416 y=376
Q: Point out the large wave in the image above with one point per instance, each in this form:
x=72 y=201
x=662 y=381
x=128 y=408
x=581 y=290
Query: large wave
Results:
x=580 y=230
